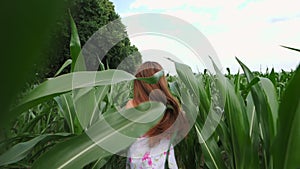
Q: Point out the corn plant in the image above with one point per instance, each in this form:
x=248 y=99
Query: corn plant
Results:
x=248 y=120
x=79 y=149
x=252 y=122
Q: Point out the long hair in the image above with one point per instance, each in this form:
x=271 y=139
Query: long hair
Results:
x=157 y=92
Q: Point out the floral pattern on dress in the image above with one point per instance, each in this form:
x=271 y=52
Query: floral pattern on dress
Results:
x=141 y=156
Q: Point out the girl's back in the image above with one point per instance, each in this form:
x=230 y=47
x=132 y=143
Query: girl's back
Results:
x=150 y=151
x=141 y=156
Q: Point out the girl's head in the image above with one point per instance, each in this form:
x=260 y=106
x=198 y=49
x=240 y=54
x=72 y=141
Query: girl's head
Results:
x=157 y=92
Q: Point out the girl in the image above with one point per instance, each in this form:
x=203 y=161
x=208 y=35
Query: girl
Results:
x=152 y=149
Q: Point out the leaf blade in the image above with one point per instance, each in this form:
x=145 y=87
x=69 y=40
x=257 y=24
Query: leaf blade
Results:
x=65 y=83
x=21 y=150
x=81 y=150
x=287 y=141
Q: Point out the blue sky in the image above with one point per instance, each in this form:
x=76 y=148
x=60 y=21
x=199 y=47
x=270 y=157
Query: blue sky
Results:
x=252 y=30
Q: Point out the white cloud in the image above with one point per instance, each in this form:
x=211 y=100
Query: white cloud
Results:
x=240 y=28
x=156 y=4
x=146 y=44
x=169 y=4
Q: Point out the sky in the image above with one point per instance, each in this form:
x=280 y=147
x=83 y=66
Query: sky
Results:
x=251 y=30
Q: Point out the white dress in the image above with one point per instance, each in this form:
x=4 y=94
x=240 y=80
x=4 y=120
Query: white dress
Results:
x=141 y=156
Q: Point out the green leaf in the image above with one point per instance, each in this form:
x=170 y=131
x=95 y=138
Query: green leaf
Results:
x=286 y=146
x=100 y=163
x=24 y=47
x=239 y=129
x=81 y=150
x=69 y=82
x=174 y=88
x=188 y=78
x=204 y=95
x=66 y=107
x=189 y=89
x=67 y=63
x=211 y=151
x=21 y=150
x=188 y=106
x=153 y=79
x=249 y=85
x=270 y=92
x=237 y=80
x=251 y=114
x=87 y=105
x=237 y=120
x=254 y=131
x=264 y=112
x=298 y=50
x=75 y=48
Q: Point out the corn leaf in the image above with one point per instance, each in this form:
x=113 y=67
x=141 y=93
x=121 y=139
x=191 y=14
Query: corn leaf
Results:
x=298 y=50
x=187 y=77
x=87 y=105
x=108 y=132
x=75 y=49
x=21 y=150
x=210 y=150
x=153 y=79
x=68 y=82
x=264 y=112
x=238 y=126
x=286 y=146
x=190 y=100
x=67 y=109
x=67 y=63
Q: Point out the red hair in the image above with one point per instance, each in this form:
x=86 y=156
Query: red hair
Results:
x=158 y=92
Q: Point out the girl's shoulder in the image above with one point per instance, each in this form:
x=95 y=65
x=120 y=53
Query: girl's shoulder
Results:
x=130 y=104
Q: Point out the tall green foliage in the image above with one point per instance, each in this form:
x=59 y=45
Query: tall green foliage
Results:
x=255 y=129
x=85 y=89
x=89 y=16
x=23 y=36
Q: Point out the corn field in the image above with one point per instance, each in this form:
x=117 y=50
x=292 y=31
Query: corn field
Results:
x=258 y=125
